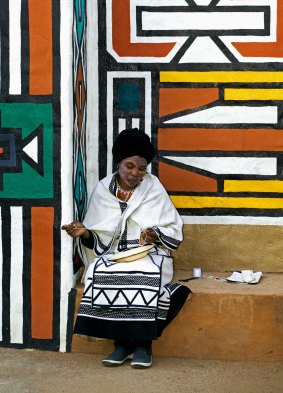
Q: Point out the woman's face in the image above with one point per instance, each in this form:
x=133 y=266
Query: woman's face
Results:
x=131 y=171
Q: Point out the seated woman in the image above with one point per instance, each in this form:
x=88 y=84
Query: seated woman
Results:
x=130 y=302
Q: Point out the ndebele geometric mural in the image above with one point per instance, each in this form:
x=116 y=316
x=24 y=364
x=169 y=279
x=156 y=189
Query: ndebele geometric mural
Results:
x=30 y=177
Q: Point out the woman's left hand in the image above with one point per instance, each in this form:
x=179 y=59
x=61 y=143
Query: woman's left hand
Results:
x=76 y=229
x=148 y=236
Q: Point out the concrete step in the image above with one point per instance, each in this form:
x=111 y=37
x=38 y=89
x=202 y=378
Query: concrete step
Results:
x=225 y=321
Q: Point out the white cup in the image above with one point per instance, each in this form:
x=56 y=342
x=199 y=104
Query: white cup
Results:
x=197 y=272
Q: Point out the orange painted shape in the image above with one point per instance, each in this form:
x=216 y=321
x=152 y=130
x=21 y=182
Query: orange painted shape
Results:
x=177 y=179
x=121 y=35
x=199 y=139
x=42 y=266
x=265 y=49
x=175 y=100
x=1 y=150
x=80 y=96
x=40 y=36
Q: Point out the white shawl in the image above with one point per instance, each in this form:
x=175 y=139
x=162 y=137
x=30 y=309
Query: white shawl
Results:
x=111 y=220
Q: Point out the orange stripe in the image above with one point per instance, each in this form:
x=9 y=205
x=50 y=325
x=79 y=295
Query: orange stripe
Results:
x=173 y=100
x=40 y=32
x=191 y=139
x=177 y=179
x=42 y=221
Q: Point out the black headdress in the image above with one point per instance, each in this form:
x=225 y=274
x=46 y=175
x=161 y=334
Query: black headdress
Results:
x=132 y=142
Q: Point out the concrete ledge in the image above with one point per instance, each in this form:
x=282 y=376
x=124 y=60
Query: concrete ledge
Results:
x=222 y=320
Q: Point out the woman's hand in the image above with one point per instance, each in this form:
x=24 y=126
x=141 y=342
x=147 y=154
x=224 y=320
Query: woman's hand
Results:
x=76 y=229
x=148 y=236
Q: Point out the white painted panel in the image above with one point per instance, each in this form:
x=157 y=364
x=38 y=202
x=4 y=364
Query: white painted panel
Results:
x=135 y=123
x=202 y=20
x=232 y=165
x=31 y=149
x=109 y=104
x=15 y=46
x=121 y=125
x=232 y=220
x=67 y=277
x=204 y=50
x=202 y=2
x=16 y=285
x=246 y=2
x=160 y=3
x=92 y=118
x=230 y=115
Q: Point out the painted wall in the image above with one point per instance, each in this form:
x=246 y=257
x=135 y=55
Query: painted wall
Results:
x=35 y=283
x=202 y=77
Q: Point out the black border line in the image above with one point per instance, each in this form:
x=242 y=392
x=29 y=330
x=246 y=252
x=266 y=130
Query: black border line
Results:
x=56 y=171
x=27 y=274
x=6 y=252
x=25 y=52
x=5 y=51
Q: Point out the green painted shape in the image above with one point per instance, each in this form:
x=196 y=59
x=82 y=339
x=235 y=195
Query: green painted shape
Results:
x=80 y=22
x=129 y=97
x=28 y=183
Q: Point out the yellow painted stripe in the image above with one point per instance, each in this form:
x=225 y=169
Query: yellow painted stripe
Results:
x=253 y=186
x=253 y=94
x=221 y=76
x=199 y=202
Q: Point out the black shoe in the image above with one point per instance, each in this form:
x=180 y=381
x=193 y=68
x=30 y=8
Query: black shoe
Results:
x=142 y=357
x=118 y=357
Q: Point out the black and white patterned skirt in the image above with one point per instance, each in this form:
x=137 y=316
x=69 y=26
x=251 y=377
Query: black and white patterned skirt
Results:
x=133 y=300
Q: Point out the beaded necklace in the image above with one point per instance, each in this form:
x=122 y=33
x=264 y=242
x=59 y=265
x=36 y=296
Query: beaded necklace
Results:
x=125 y=194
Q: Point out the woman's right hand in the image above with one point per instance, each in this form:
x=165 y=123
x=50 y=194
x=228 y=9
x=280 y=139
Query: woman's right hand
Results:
x=76 y=229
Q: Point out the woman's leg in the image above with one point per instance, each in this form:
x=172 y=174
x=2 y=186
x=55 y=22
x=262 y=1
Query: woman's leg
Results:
x=142 y=354
x=123 y=351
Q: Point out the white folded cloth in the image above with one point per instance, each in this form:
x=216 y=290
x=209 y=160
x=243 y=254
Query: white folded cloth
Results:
x=245 y=276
